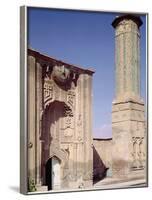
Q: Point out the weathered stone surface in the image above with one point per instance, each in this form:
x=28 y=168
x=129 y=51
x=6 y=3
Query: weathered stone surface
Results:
x=60 y=118
x=128 y=118
x=31 y=118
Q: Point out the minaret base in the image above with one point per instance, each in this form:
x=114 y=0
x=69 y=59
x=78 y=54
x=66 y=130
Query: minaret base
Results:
x=129 y=148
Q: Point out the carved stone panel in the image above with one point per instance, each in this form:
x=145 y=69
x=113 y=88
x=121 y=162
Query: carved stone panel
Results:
x=47 y=90
x=71 y=98
x=138 y=153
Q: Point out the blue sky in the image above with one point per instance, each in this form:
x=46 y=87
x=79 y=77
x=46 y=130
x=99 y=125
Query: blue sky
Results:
x=85 y=39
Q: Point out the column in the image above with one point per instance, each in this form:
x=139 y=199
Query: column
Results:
x=31 y=118
x=38 y=120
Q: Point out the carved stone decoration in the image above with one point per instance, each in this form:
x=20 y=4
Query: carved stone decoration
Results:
x=137 y=152
x=69 y=127
x=141 y=153
x=30 y=145
x=65 y=77
x=47 y=89
x=67 y=111
x=66 y=149
x=134 y=163
x=68 y=121
x=71 y=98
x=61 y=74
x=56 y=132
x=79 y=128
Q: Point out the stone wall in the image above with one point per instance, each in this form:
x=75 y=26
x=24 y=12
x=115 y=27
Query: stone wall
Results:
x=102 y=160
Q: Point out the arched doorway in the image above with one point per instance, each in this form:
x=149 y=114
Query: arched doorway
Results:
x=51 y=144
x=52 y=173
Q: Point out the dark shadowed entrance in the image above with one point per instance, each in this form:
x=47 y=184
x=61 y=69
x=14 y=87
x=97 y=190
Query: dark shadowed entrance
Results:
x=48 y=174
x=52 y=173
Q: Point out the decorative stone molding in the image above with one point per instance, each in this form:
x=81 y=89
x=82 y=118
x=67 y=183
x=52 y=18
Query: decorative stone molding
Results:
x=71 y=98
x=59 y=153
x=47 y=90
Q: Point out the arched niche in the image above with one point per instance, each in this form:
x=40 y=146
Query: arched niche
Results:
x=50 y=137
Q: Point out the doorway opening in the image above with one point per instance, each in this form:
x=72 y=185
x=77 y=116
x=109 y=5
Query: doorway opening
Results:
x=52 y=173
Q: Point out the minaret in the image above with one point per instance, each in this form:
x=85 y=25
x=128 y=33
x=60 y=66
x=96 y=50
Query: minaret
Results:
x=128 y=121
x=127 y=57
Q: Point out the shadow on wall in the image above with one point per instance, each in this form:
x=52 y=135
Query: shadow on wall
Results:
x=99 y=169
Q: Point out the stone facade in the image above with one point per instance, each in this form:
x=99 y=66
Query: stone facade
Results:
x=128 y=120
x=59 y=124
x=61 y=151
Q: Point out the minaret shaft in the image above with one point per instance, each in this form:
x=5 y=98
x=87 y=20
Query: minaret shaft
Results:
x=127 y=61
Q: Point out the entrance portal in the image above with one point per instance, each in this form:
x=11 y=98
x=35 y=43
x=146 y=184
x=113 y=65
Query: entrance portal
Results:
x=52 y=173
